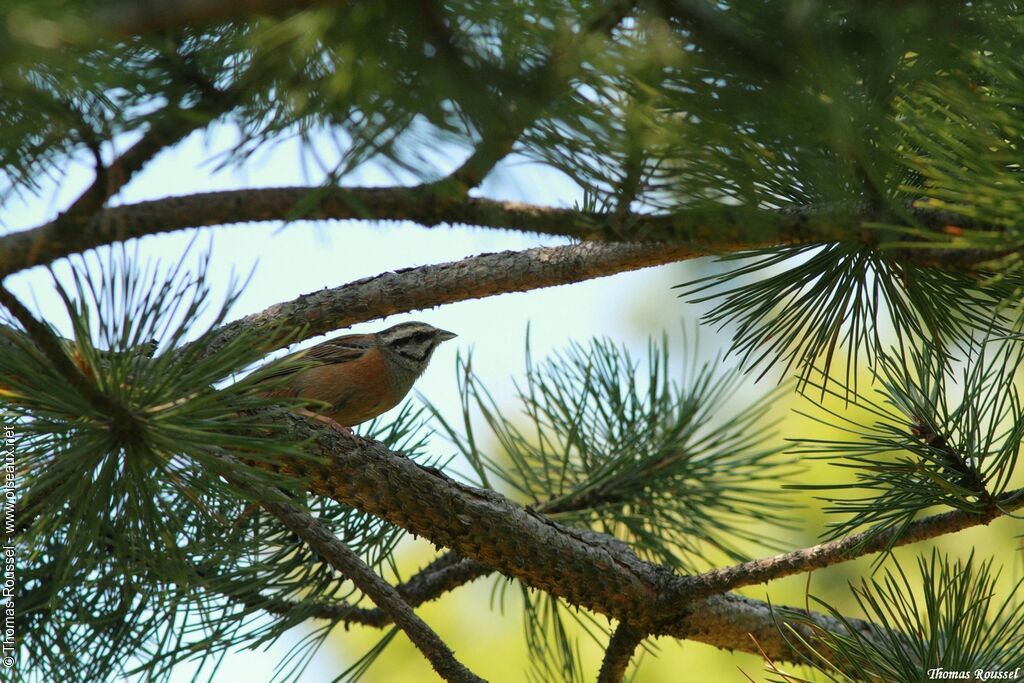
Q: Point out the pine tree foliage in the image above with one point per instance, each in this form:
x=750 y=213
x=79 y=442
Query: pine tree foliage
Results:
x=140 y=542
x=936 y=437
x=835 y=302
x=638 y=450
x=855 y=165
x=641 y=451
x=959 y=624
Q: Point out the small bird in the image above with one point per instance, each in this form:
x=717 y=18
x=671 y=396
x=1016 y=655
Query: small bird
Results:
x=360 y=376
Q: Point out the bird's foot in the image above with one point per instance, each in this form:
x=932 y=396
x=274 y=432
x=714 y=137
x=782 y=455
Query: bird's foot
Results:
x=330 y=422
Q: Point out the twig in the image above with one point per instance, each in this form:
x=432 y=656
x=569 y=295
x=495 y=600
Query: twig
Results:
x=844 y=549
x=428 y=584
x=552 y=77
x=171 y=125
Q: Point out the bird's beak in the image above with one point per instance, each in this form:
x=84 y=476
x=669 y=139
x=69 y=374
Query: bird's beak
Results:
x=445 y=335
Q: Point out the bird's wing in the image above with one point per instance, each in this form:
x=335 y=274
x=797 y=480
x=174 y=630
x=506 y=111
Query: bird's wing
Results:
x=330 y=351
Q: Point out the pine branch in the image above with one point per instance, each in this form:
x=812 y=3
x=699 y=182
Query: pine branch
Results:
x=470 y=278
x=480 y=524
x=962 y=622
x=451 y=571
x=423 y=287
x=724 y=621
x=729 y=622
x=705 y=231
x=349 y=564
x=171 y=125
x=446 y=573
x=428 y=286
x=594 y=570
x=620 y=650
x=849 y=548
x=168 y=126
x=44 y=244
x=441 y=576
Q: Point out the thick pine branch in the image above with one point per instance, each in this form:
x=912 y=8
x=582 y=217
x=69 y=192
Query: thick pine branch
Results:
x=585 y=568
x=710 y=230
x=446 y=573
x=735 y=622
x=451 y=571
x=429 y=286
x=423 y=287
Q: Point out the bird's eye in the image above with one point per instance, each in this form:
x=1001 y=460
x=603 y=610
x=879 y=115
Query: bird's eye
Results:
x=420 y=336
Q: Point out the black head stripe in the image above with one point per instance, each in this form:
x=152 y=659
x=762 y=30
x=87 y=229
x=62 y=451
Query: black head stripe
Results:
x=414 y=347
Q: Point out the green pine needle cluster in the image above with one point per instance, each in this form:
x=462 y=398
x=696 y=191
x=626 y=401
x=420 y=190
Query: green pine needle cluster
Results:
x=808 y=308
x=951 y=619
x=938 y=437
x=142 y=552
x=658 y=454
x=645 y=451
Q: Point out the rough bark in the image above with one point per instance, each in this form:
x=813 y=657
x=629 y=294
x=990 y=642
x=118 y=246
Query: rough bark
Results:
x=620 y=650
x=583 y=567
x=708 y=230
x=475 y=277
